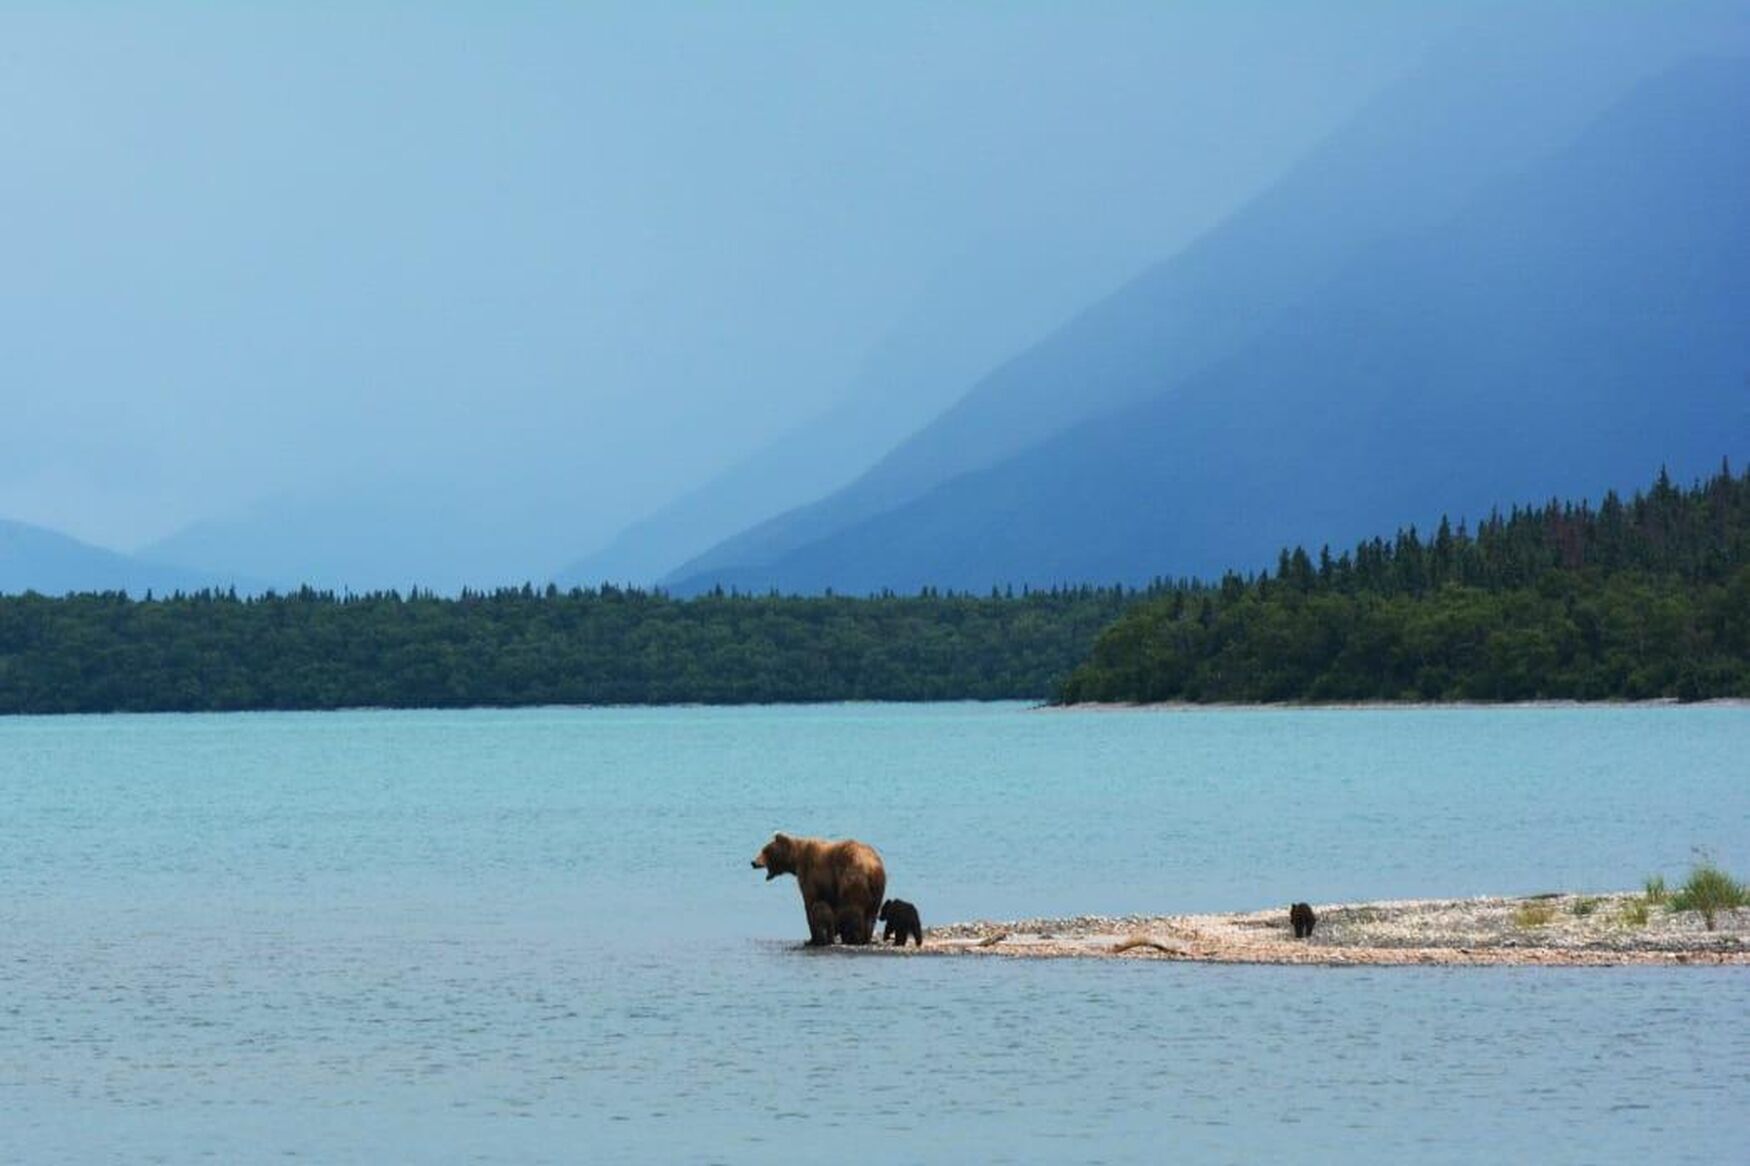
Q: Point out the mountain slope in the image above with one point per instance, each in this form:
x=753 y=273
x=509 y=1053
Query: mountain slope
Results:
x=335 y=538
x=970 y=313
x=33 y=558
x=1402 y=166
x=818 y=456
x=1580 y=323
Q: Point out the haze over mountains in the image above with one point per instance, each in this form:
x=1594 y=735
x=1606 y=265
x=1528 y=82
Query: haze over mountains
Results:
x=1574 y=327
x=1352 y=352
x=1515 y=271
x=45 y=561
x=955 y=330
x=383 y=295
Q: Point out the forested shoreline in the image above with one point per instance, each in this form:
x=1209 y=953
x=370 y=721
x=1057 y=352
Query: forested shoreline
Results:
x=1639 y=599
x=516 y=647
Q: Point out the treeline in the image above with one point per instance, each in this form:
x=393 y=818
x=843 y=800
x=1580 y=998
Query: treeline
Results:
x=1637 y=599
x=316 y=650
x=1629 y=600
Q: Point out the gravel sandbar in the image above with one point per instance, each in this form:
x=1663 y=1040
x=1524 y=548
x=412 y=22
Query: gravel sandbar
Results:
x=1539 y=930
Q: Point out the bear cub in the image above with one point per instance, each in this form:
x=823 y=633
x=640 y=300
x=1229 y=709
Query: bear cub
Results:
x=1301 y=917
x=902 y=922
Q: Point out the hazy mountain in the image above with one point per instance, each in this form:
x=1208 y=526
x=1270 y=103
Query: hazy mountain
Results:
x=1484 y=108
x=816 y=457
x=1576 y=325
x=35 y=559
x=341 y=539
x=968 y=316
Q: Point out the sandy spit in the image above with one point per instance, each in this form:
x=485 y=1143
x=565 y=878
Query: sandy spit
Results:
x=1557 y=930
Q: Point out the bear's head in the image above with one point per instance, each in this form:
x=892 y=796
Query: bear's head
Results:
x=777 y=858
x=881 y=916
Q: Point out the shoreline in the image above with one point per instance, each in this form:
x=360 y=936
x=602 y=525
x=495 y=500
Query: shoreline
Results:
x=1610 y=929
x=1180 y=706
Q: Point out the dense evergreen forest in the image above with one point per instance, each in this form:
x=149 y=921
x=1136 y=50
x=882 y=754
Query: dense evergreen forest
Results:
x=1631 y=600
x=312 y=650
x=1637 y=599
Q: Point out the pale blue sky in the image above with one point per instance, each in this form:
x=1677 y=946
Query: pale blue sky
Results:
x=565 y=261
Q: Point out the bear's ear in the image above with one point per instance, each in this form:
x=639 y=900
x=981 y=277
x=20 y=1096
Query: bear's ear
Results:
x=780 y=836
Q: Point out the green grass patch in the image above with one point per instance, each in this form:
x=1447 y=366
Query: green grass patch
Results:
x=1533 y=914
x=1634 y=913
x=1710 y=890
x=1655 y=888
x=1583 y=906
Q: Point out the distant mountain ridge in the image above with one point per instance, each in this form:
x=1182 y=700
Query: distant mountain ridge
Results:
x=1392 y=172
x=1580 y=318
x=972 y=312
x=34 y=558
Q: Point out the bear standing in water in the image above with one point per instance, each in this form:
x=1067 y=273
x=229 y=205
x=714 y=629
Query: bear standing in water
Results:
x=902 y=922
x=826 y=925
x=821 y=925
x=1301 y=918
x=850 y=922
x=843 y=876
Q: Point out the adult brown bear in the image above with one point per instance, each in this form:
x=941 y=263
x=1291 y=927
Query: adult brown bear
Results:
x=842 y=874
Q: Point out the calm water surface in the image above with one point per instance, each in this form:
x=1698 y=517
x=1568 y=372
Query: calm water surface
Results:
x=534 y=936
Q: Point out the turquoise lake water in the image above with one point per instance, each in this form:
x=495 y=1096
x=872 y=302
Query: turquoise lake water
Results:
x=534 y=936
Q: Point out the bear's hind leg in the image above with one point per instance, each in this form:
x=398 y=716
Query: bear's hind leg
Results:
x=820 y=924
x=851 y=929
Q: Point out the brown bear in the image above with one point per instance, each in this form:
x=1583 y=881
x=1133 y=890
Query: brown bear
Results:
x=902 y=922
x=850 y=924
x=1301 y=918
x=843 y=874
x=822 y=926
x=825 y=924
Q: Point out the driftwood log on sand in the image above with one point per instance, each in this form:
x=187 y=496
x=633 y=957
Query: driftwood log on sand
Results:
x=1136 y=941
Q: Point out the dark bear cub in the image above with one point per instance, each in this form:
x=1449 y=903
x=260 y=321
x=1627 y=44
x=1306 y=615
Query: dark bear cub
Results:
x=1301 y=917
x=902 y=922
